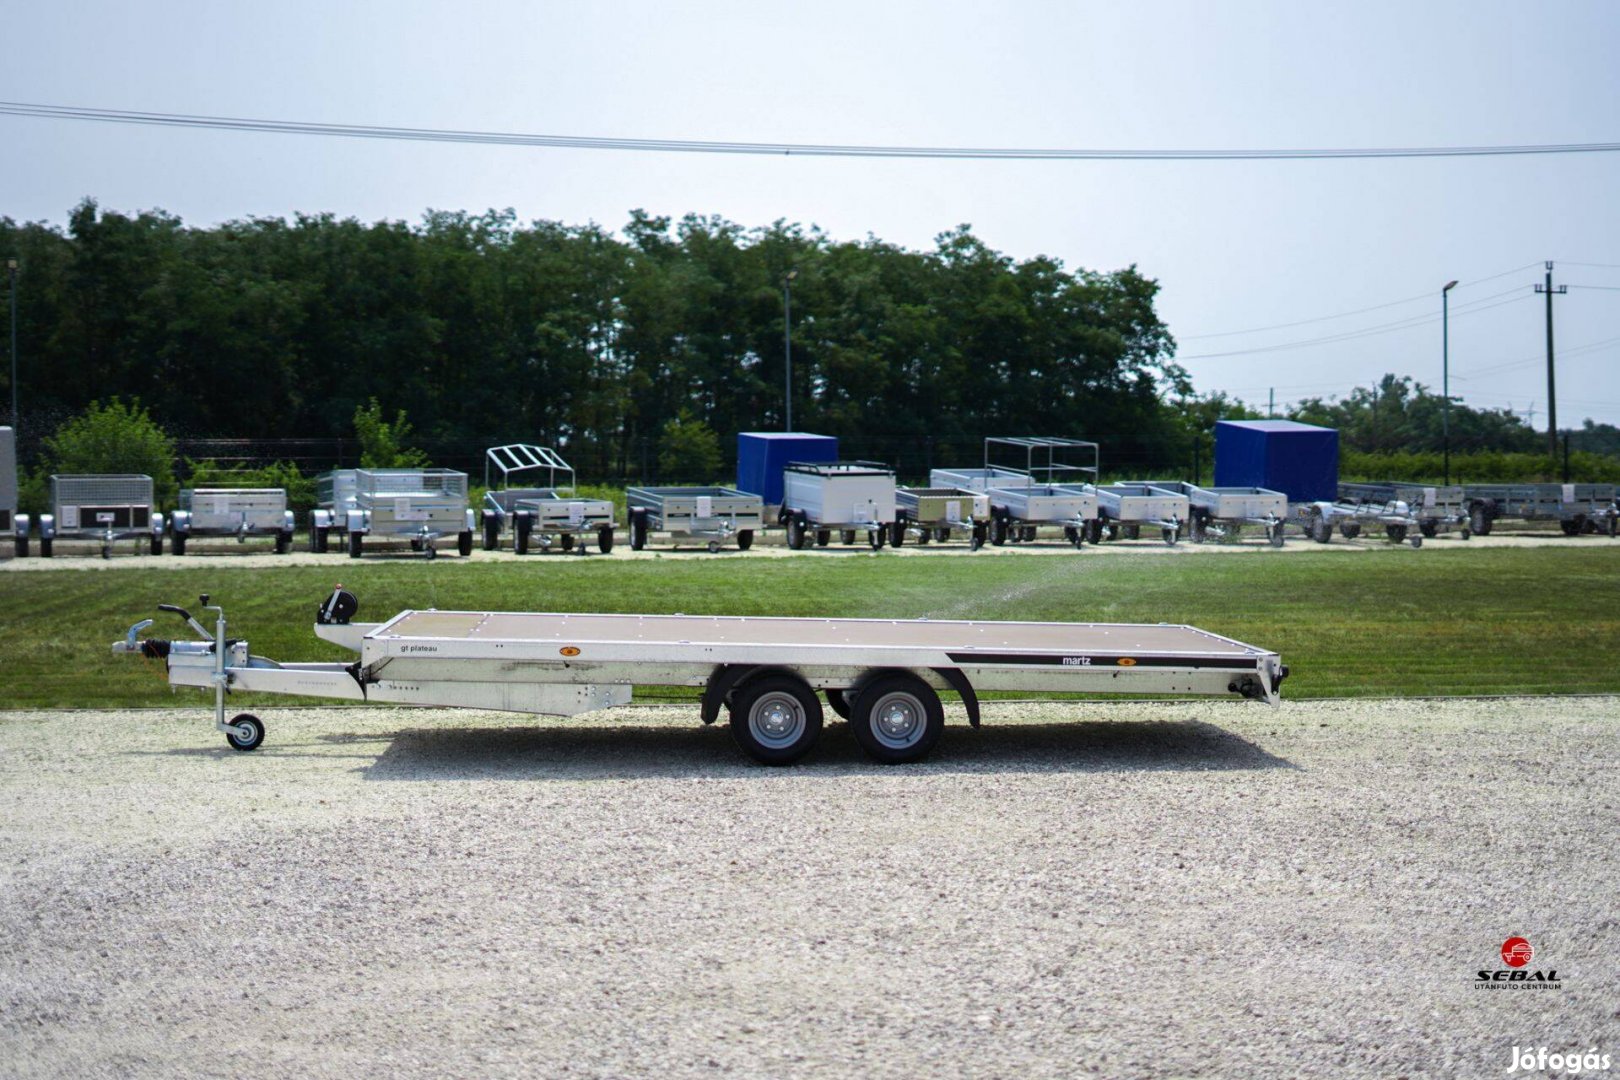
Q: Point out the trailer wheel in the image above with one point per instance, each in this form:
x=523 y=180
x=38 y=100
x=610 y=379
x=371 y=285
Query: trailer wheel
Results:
x=1198 y=527
x=897 y=718
x=492 y=534
x=568 y=543
x=1350 y=529
x=246 y=732
x=1572 y=526
x=1029 y=534
x=177 y=543
x=638 y=532
x=1416 y=540
x=1170 y=535
x=942 y=534
x=776 y=719
x=977 y=540
x=432 y=551
x=1321 y=530
x=1274 y=534
x=795 y=534
x=876 y=536
x=106 y=549
x=46 y=543
x=998 y=531
x=839 y=700
x=1396 y=533
x=897 y=534
x=321 y=539
x=745 y=539
x=847 y=536
x=464 y=544
x=924 y=535
x=1428 y=529
x=22 y=547
x=356 y=542
x=284 y=542
x=1094 y=531
x=604 y=539
x=823 y=537
x=1614 y=525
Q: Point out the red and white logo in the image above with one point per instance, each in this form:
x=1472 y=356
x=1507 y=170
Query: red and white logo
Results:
x=1516 y=952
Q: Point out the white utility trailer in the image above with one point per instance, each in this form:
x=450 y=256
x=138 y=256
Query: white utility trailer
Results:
x=1435 y=508
x=105 y=508
x=1031 y=481
x=10 y=520
x=547 y=516
x=884 y=675
x=419 y=505
x=934 y=513
x=1220 y=513
x=1122 y=510
x=235 y=512
x=715 y=514
x=1016 y=512
x=850 y=496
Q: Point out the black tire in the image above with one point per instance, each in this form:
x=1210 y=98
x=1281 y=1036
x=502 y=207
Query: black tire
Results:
x=1029 y=534
x=1171 y=536
x=177 y=543
x=942 y=535
x=795 y=534
x=283 y=543
x=604 y=539
x=1572 y=527
x=998 y=531
x=897 y=719
x=847 y=536
x=1274 y=535
x=1199 y=530
x=156 y=545
x=492 y=534
x=977 y=540
x=1350 y=529
x=321 y=539
x=1614 y=525
x=1396 y=533
x=924 y=536
x=1429 y=529
x=1094 y=531
x=876 y=536
x=46 y=543
x=776 y=719
x=464 y=544
x=823 y=537
x=522 y=529
x=638 y=531
x=1133 y=532
x=250 y=735
x=1479 y=521
x=568 y=543
x=1321 y=530
x=897 y=534
x=22 y=546
x=356 y=543
x=745 y=539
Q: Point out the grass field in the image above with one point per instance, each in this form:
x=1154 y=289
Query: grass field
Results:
x=1501 y=621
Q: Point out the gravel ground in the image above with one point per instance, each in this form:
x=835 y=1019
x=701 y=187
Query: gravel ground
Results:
x=82 y=555
x=1075 y=889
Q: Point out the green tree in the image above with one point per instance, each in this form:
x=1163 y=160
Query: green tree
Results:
x=688 y=449
x=382 y=442
x=115 y=437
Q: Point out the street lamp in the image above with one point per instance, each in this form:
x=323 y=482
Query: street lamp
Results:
x=787 y=343
x=1445 y=376
x=11 y=268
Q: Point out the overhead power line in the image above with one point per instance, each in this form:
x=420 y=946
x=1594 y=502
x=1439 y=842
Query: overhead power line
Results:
x=698 y=146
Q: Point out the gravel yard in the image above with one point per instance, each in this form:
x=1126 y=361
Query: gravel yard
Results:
x=1076 y=888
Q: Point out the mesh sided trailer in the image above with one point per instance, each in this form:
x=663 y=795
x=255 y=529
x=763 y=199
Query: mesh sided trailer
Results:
x=1122 y=510
x=419 y=505
x=850 y=496
x=1220 y=513
x=236 y=512
x=106 y=508
x=714 y=514
x=935 y=513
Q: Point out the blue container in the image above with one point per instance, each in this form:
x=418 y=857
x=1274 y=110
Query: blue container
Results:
x=762 y=455
x=1299 y=460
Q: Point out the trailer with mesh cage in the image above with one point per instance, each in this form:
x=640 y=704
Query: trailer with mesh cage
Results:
x=419 y=506
x=102 y=509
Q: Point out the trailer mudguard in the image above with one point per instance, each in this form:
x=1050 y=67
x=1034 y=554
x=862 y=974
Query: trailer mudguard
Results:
x=47 y=526
x=959 y=682
x=19 y=526
x=725 y=679
x=180 y=523
x=357 y=521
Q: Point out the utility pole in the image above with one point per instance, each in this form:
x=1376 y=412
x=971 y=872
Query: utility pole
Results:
x=787 y=343
x=1552 y=395
x=16 y=419
x=1271 y=402
x=1445 y=375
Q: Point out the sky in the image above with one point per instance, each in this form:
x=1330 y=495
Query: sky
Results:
x=1238 y=247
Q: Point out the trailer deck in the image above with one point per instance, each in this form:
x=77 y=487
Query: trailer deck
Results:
x=884 y=675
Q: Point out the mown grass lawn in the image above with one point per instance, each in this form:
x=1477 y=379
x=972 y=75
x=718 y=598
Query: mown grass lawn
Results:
x=1481 y=621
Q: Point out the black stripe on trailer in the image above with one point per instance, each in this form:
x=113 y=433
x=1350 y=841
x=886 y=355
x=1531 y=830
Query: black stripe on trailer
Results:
x=973 y=659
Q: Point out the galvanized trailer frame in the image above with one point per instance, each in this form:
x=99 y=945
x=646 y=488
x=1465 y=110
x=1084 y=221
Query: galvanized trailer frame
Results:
x=1319 y=519
x=1436 y=508
x=935 y=513
x=714 y=514
x=850 y=496
x=978 y=480
x=550 y=517
x=1016 y=512
x=419 y=505
x=108 y=508
x=1220 y=513
x=1578 y=508
x=1044 y=484
x=237 y=512
x=884 y=675
x=1122 y=510
x=11 y=521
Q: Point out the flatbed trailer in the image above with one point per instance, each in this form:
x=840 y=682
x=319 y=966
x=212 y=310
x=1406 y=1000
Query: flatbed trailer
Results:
x=233 y=512
x=548 y=516
x=1578 y=508
x=1437 y=508
x=1122 y=510
x=1220 y=513
x=1319 y=519
x=883 y=675
x=934 y=513
x=714 y=514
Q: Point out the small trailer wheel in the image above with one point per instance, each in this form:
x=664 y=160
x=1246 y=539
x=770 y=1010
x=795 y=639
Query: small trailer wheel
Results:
x=1350 y=529
x=998 y=531
x=924 y=536
x=823 y=537
x=246 y=732
x=357 y=541
x=321 y=539
x=157 y=544
x=464 y=544
x=45 y=545
x=776 y=719
x=1428 y=529
x=1170 y=536
x=942 y=534
x=106 y=549
x=714 y=547
x=795 y=535
x=1466 y=533
x=1133 y=532
x=876 y=536
x=977 y=541
x=638 y=532
x=283 y=543
x=21 y=551
x=897 y=719
x=1275 y=535
x=897 y=534
x=522 y=526
x=1416 y=540
x=745 y=539
x=847 y=536
x=604 y=539
x=432 y=551
x=1199 y=531
x=568 y=542
x=1321 y=530
x=1572 y=526
x=492 y=535
x=1396 y=533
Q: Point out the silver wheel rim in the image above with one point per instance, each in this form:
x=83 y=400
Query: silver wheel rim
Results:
x=776 y=720
x=244 y=732
x=898 y=720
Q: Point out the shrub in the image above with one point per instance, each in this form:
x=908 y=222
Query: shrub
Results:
x=114 y=437
x=382 y=443
x=688 y=449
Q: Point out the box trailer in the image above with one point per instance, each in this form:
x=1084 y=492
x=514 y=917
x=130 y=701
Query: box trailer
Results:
x=883 y=675
x=536 y=502
x=850 y=496
x=712 y=514
x=234 y=512
x=1578 y=508
x=936 y=513
x=763 y=456
x=418 y=505
x=1122 y=510
x=1299 y=460
x=105 y=508
x=1220 y=513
